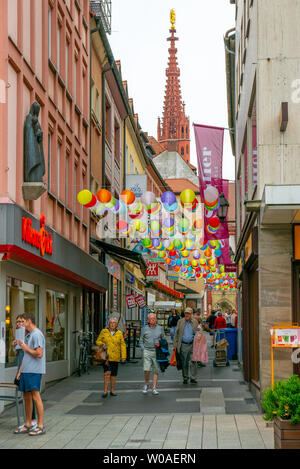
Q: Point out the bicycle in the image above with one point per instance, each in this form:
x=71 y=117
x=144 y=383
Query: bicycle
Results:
x=85 y=341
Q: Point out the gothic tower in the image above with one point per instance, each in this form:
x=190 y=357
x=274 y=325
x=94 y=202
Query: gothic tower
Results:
x=173 y=132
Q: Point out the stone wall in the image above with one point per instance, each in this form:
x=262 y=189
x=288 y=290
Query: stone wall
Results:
x=275 y=299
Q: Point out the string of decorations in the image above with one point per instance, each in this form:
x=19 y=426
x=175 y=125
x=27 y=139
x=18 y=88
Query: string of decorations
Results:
x=167 y=232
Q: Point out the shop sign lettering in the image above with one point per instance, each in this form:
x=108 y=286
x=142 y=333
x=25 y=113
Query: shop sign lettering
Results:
x=41 y=240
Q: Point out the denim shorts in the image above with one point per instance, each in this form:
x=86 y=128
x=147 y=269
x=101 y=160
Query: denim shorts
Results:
x=30 y=382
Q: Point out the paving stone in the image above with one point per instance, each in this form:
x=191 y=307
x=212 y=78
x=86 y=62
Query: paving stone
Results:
x=174 y=444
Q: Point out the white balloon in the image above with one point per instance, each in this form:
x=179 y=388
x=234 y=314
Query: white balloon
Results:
x=211 y=194
x=148 y=198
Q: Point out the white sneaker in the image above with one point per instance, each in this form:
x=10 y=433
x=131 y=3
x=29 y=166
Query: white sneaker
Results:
x=145 y=389
x=155 y=392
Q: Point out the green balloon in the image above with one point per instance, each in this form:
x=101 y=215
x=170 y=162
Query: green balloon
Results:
x=146 y=242
x=184 y=223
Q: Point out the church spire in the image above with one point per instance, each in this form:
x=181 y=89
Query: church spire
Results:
x=174 y=131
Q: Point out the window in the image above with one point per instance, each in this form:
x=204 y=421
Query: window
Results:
x=49 y=31
x=75 y=78
x=21 y=297
x=108 y=122
x=75 y=186
x=58 y=169
x=56 y=312
x=49 y=160
x=182 y=151
x=67 y=179
x=67 y=62
x=97 y=106
x=58 y=46
x=117 y=142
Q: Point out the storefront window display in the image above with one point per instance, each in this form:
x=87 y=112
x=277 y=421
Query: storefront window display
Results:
x=21 y=297
x=56 y=312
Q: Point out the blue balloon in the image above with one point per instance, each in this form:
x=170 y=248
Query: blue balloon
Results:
x=168 y=198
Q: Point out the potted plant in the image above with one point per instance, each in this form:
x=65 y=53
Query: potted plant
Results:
x=282 y=404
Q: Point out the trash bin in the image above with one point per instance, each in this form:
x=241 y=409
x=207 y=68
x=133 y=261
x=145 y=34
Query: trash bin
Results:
x=231 y=337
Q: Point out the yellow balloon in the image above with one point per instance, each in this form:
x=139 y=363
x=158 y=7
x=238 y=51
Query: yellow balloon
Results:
x=84 y=197
x=187 y=196
x=136 y=224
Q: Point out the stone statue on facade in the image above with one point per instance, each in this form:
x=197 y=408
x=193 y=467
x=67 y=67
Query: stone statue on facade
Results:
x=34 y=160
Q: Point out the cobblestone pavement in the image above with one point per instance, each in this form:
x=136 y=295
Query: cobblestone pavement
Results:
x=217 y=412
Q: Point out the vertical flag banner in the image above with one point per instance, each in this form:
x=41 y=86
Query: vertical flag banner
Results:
x=209 y=146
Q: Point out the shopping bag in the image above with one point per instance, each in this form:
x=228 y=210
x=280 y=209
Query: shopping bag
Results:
x=101 y=355
x=173 y=361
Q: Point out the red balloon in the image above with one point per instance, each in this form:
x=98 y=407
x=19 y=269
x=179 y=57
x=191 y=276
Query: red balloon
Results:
x=214 y=222
x=92 y=202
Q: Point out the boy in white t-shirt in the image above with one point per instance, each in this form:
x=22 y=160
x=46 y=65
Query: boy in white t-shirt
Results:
x=30 y=375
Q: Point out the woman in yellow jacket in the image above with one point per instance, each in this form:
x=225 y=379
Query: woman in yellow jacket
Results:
x=113 y=341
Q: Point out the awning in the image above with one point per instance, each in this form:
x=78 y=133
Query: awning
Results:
x=25 y=239
x=121 y=253
x=161 y=287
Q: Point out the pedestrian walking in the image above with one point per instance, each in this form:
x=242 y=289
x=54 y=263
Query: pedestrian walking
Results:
x=120 y=319
x=113 y=342
x=149 y=341
x=200 y=344
x=228 y=318
x=220 y=322
x=211 y=322
x=20 y=327
x=233 y=319
x=183 y=341
x=172 y=323
x=30 y=375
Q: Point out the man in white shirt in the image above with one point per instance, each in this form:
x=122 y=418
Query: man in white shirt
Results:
x=30 y=374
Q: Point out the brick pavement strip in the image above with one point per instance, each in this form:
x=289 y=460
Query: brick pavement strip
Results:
x=209 y=436
x=195 y=432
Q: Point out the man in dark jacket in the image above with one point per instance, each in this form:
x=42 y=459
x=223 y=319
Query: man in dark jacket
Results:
x=172 y=323
x=183 y=341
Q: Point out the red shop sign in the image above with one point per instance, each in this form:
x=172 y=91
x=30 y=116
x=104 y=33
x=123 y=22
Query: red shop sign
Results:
x=152 y=270
x=42 y=240
x=140 y=300
x=130 y=300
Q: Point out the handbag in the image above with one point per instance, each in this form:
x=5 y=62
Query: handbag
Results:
x=101 y=355
x=173 y=361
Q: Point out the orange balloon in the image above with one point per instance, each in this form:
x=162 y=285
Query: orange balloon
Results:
x=128 y=197
x=104 y=196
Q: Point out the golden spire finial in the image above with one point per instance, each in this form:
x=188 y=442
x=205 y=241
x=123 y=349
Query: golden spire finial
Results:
x=172 y=18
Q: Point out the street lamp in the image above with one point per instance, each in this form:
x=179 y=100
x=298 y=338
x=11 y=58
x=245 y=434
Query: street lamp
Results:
x=223 y=208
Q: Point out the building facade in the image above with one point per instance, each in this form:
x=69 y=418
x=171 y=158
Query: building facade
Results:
x=45 y=266
x=262 y=85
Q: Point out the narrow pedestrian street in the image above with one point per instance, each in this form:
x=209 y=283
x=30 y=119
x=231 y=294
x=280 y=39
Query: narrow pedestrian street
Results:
x=217 y=412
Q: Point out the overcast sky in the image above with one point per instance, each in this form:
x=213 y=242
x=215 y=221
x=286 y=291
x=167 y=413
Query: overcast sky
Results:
x=138 y=39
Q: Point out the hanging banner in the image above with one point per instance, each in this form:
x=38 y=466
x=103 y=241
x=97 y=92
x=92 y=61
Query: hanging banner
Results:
x=130 y=300
x=140 y=300
x=209 y=146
